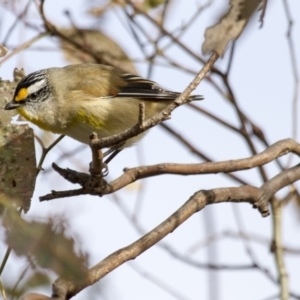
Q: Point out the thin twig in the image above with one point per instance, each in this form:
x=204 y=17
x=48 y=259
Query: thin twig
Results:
x=156 y=281
x=18 y=18
x=277 y=248
x=8 y=250
x=2 y=289
x=295 y=71
x=180 y=31
x=45 y=151
x=24 y=46
x=21 y=277
x=230 y=61
x=175 y=254
x=253 y=237
x=197 y=152
x=249 y=249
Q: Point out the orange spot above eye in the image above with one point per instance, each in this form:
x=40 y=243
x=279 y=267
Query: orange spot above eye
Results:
x=22 y=94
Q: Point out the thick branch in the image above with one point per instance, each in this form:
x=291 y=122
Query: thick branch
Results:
x=196 y=203
x=274 y=151
x=130 y=175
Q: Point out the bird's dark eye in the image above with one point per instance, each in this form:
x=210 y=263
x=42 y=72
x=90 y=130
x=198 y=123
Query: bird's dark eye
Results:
x=34 y=95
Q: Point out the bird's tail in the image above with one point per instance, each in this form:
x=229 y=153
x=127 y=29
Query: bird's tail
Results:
x=196 y=97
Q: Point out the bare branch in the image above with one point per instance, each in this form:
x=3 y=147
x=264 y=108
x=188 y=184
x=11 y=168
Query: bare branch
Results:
x=277 y=248
x=295 y=71
x=130 y=175
x=253 y=237
x=24 y=46
x=196 y=203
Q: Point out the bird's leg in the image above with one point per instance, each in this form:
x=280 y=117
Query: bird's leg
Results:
x=113 y=148
x=112 y=155
x=112 y=152
x=98 y=168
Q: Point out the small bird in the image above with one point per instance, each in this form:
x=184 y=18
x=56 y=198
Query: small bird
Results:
x=79 y=99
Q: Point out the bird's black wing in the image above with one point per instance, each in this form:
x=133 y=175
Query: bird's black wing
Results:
x=145 y=89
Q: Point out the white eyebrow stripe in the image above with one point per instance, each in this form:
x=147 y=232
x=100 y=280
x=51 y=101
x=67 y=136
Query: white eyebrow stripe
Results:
x=36 y=86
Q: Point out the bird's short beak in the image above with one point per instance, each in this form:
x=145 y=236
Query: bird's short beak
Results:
x=12 y=105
